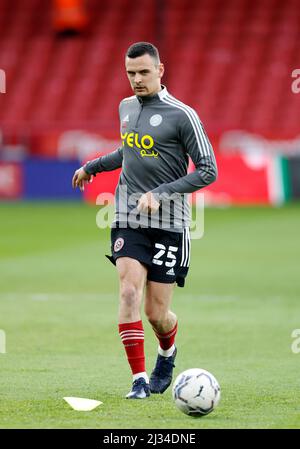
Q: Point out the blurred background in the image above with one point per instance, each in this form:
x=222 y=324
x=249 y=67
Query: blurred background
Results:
x=62 y=78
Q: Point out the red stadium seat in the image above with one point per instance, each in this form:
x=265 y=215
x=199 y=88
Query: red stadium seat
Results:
x=231 y=61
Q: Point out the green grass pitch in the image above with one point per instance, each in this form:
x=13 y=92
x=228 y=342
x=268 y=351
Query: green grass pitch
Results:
x=58 y=308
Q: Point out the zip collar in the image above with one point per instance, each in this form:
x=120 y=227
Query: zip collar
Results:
x=153 y=98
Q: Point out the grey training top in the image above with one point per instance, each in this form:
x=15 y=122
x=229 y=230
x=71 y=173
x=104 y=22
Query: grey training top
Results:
x=158 y=134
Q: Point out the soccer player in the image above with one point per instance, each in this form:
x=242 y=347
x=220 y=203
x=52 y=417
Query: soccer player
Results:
x=150 y=238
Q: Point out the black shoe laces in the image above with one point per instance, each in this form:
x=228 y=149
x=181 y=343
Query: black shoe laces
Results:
x=138 y=382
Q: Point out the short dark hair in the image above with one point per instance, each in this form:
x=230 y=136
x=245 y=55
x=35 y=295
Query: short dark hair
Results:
x=143 y=48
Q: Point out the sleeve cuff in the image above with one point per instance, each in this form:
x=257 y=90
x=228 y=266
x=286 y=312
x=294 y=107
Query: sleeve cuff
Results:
x=93 y=167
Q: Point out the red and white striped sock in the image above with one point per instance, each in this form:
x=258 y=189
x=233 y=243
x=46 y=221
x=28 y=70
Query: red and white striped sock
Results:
x=167 y=341
x=132 y=336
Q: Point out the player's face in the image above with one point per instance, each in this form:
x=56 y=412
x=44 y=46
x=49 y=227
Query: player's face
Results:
x=144 y=75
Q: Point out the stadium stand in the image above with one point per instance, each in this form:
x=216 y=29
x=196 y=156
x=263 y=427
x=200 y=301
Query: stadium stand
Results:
x=232 y=62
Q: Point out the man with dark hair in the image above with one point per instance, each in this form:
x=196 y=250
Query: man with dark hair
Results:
x=150 y=240
x=143 y=48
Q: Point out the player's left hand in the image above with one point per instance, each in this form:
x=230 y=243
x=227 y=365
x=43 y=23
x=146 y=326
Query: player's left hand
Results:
x=148 y=203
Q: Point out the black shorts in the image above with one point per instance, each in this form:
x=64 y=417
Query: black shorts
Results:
x=165 y=254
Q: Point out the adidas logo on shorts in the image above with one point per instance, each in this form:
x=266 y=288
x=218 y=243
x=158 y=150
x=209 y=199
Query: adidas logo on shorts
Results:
x=171 y=272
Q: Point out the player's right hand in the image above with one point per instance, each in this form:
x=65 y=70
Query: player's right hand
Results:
x=80 y=177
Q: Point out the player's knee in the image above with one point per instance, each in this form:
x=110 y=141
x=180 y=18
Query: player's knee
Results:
x=154 y=315
x=129 y=295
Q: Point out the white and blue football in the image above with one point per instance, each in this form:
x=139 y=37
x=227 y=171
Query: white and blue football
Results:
x=196 y=392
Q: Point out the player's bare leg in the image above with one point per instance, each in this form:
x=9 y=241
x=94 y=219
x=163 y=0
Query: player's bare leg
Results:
x=132 y=277
x=164 y=323
x=158 y=300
